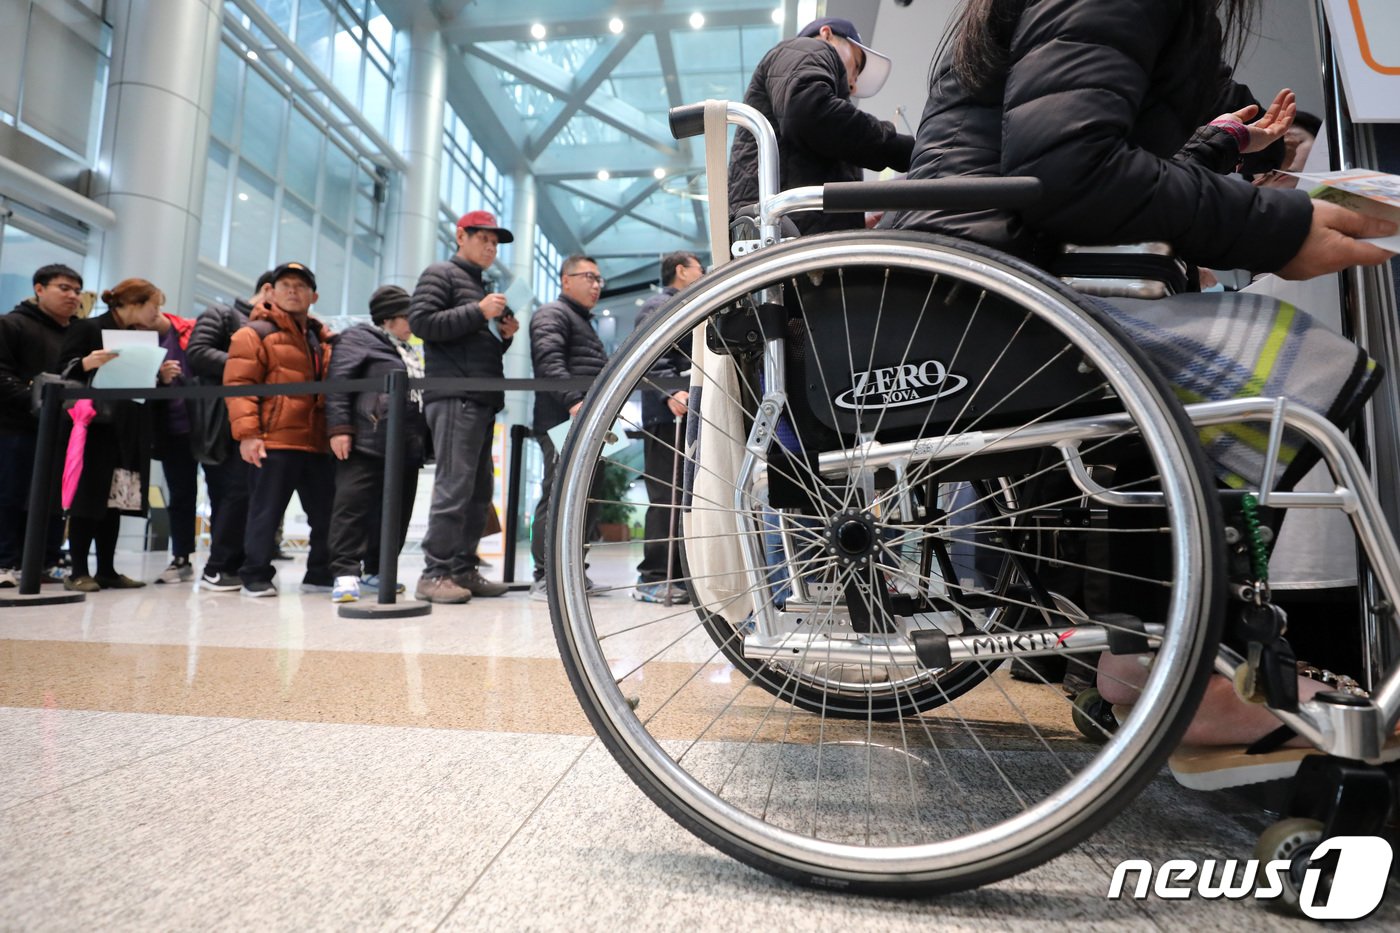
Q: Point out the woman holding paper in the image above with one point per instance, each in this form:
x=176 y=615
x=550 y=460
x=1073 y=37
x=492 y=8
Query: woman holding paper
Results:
x=116 y=459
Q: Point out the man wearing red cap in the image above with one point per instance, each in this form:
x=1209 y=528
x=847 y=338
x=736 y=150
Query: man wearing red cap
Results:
x=465 y=331
x=804 y=86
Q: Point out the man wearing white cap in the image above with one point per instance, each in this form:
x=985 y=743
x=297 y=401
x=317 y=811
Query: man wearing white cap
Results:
x=804 y=86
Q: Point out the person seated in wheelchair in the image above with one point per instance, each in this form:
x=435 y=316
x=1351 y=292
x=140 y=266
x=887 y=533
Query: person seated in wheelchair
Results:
x=1112 y=105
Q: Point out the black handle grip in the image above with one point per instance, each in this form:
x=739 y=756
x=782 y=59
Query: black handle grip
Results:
x=687 y=121
x=932 y=194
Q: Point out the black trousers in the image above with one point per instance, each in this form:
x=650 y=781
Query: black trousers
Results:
x=663 y=522
x=539 y=527
x=182 y=482
x=355 y=518
x=16 y=467
x=228 y=483
x=312 y=478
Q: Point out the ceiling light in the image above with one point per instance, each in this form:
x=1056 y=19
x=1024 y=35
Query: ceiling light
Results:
x=697 y=20
x=658 y=173
x=614 y=25
x=537 y=30
x=604 y=174
x=242 y=196
x=252 y=56
x=778 y=16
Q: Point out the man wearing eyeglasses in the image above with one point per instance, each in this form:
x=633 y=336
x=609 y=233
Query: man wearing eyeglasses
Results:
x=563 y=345
x=804 y=86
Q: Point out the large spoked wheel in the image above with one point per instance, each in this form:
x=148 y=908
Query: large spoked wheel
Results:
x=942 y=400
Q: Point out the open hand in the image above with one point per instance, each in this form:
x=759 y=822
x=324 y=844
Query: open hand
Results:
x=1269 y=128
x=340 y=446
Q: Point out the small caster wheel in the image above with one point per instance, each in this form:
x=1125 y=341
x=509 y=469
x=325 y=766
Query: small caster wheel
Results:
x=1292 y=839
x=1093 y=716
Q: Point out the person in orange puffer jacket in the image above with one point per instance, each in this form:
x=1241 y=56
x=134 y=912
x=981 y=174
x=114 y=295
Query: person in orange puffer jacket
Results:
x=283 y=436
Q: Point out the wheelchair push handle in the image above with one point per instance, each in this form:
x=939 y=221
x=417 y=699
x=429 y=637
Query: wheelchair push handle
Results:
x=931 y=194
x=687 y=120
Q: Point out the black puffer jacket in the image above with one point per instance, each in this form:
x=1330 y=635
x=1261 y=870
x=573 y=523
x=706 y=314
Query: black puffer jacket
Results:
x=30 y=341
x=458 y=340
x=367 y=352
x=671 y=364
x=563 y=344
x=801 y=87
x=207 y=350
x=1095 y=98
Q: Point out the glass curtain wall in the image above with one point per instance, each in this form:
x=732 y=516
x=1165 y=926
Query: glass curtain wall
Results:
x=61 y=107
x=546 y=268
x=281 y=184
x=470 y=182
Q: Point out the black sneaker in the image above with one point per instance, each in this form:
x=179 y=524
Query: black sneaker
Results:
x=219 y=582
x=259 y=588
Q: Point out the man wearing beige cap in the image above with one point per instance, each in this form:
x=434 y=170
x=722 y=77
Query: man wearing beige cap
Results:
x=465 y=332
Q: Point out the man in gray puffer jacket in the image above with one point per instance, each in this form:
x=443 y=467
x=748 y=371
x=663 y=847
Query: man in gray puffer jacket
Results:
x=465 y=332
x=563 y=345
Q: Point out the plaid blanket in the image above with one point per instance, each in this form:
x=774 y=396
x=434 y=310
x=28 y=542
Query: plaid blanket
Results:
x=1218 y=346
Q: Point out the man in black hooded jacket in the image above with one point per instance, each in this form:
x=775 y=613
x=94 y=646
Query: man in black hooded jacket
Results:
x=804 y=86
x=30 y=338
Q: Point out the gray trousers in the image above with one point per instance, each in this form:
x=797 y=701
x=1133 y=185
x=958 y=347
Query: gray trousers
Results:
x=463 y=486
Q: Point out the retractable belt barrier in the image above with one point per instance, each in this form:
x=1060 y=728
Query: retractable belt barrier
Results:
x=50 y=392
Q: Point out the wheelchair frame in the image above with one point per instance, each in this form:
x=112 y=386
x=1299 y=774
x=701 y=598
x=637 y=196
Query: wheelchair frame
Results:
x=1335 y=725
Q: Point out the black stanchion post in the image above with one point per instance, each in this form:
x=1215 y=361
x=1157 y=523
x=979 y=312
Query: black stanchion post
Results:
x=387 y=606
x=36 y=527
x=397 y=387
x=511 y=526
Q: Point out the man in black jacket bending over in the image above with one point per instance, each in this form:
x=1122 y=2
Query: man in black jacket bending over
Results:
x=659 y=574
x=30 y=338
x=563 y=345
x=465 y=332
x=225 y=473
x=804 y=87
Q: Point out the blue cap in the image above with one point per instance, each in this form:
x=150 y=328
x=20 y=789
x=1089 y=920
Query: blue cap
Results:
x=872 y=77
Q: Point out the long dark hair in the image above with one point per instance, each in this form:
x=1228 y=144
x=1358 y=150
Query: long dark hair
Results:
x=980 y=37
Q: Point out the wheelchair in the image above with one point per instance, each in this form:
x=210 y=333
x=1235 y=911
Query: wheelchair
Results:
x=923 y=462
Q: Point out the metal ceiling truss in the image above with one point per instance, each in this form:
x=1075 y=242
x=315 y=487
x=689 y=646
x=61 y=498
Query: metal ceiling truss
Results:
x=493 y=38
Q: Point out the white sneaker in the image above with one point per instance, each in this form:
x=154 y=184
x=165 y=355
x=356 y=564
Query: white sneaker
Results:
x=539 y=591
x=346 y=590
x=9 y=577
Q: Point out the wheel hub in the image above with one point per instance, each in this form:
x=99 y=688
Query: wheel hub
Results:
x=852 y=537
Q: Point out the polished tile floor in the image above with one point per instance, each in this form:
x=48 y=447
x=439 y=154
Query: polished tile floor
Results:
x=184 y=760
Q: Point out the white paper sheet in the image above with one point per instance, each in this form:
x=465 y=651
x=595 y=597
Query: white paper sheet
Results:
x=135 y=367
x=117 y=339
